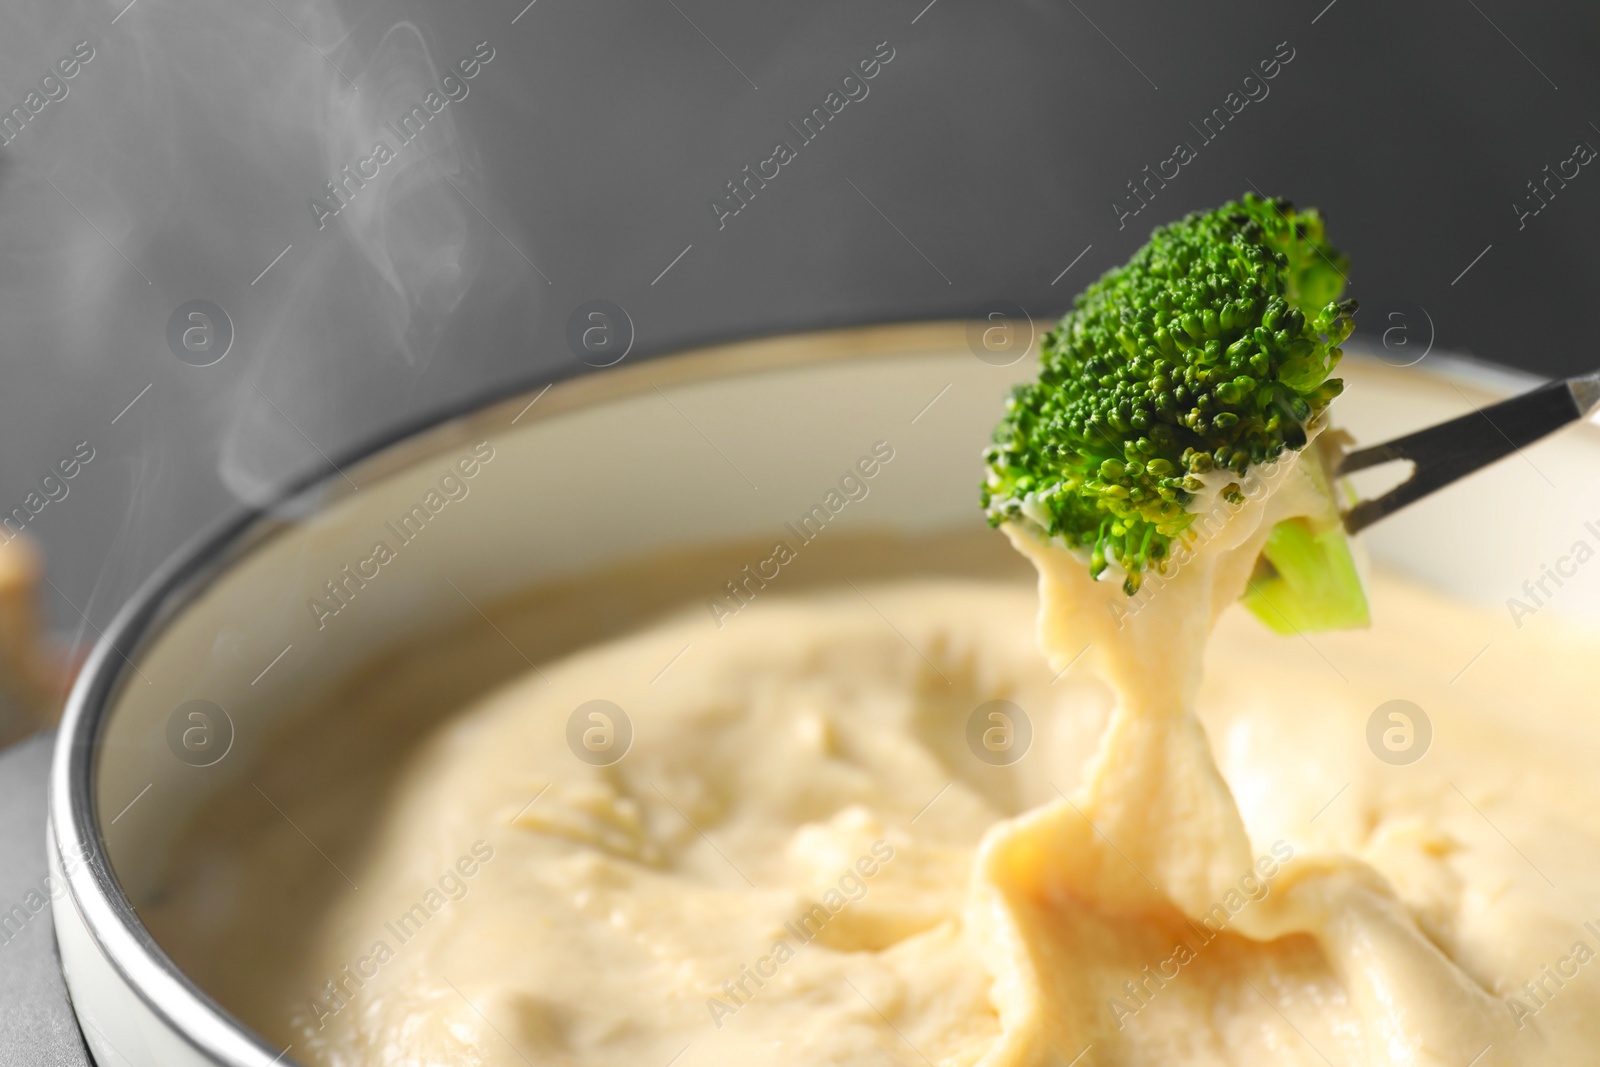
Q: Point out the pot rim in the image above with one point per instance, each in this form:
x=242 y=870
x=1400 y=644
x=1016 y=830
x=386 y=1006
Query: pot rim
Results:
x=74 y=829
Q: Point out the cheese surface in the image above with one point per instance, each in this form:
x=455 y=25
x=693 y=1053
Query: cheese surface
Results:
x=892 y=815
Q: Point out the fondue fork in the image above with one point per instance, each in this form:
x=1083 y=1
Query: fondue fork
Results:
x=1452 y=450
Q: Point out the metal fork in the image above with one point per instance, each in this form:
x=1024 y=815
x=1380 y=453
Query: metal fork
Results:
x=1452 y=450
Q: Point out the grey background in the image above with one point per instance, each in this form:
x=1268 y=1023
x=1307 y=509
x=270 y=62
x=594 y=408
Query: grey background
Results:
x=991 y=149
x=983 y=163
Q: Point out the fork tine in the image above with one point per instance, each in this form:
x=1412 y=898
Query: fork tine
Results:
x=1452 y=450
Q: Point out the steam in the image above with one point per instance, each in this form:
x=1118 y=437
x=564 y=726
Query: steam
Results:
x=173 y=167
x=395 y=251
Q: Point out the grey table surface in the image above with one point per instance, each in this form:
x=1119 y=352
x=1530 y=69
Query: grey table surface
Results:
x=37 y=1027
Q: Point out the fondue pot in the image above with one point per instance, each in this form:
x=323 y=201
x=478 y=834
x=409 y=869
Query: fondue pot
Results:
x=209 y=662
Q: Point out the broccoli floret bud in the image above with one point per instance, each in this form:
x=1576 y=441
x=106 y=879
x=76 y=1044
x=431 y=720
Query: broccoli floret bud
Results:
x=1210 y=349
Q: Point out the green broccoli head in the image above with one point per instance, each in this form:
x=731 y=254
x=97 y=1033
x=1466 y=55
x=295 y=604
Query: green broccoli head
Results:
x=1210 y=350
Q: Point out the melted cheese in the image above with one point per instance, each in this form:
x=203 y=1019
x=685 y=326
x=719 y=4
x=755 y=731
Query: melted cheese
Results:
x=808 y=856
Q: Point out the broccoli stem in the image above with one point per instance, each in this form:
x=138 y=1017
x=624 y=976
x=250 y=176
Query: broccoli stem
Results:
x=1307 y=580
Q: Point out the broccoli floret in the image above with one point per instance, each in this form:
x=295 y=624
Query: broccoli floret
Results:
x=1209 y=351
